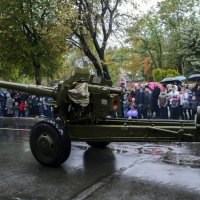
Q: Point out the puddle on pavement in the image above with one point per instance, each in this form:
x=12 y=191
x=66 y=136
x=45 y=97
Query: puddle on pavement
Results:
x=181 y=159
x=154 y=150
x=81 y=147
x=114 y=150
x=187 y=156
x=119 y=151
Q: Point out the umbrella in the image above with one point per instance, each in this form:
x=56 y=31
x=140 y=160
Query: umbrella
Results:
x=179 y=78
x=152 y=85
x=194 y=77
x=172 y=79
x=160 y=86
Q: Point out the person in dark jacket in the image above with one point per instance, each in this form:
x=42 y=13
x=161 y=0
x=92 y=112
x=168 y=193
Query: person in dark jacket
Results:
x=9 y=105
x=162 y=103
x=196 y=91
x=147 y=102
x=139 y=98
x=34 y=106
x=2 y=103
x=155 y=95
x=194 y=105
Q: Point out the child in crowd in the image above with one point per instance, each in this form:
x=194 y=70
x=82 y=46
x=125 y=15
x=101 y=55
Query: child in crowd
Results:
x=21 y=109
x=132 y=113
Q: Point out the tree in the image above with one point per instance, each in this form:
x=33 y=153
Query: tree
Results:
x=29 y=37
x=146 y=36
x=175 y=16
x=191 y=49
x=123 y=59
x=159 y=34
x=159 y=74
x=147 y=67
x=91 y=26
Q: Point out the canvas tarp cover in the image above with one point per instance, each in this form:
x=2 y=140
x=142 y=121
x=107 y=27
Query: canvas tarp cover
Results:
x=80 y=94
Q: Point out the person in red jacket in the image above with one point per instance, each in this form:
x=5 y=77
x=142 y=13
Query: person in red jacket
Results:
x=21 y=109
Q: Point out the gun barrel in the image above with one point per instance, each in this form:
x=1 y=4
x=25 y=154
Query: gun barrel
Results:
x=31 y=89
x=102 y=89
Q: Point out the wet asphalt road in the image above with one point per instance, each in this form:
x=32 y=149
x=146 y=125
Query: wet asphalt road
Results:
x=121 y=171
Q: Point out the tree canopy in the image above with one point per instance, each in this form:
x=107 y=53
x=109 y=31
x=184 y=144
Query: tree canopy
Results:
x=40 y=38
x=29 y=38
x=169 y=35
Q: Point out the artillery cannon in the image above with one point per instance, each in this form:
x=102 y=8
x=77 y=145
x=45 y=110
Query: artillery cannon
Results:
x=83 y=104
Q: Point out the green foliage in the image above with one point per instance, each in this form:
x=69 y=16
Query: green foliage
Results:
x=29 y=38
x=163 y=35
x=159 y=74
x=147 y=38
x=115 y=74
x=171 y=73
x=191 y=49
x=34 y=37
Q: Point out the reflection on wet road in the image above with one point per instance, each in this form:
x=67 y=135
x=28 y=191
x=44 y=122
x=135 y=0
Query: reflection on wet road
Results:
x=121 y=171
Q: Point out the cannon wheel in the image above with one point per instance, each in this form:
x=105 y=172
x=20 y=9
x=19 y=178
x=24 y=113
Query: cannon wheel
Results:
x=98 y=144
x=49 y=145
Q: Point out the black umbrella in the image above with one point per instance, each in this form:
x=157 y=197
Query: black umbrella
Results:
x=194 y=77
x=179 y=78
x=173 y=79
x=166 y=80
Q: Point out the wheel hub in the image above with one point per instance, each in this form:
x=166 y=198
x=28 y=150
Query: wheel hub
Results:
x=45 y=144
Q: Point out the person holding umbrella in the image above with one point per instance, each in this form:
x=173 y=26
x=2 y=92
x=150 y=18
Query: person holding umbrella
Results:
x=194 y=77
x=194 y=105
x=196 y=91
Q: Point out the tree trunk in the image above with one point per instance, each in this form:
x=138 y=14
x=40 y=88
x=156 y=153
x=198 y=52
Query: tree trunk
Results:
x=160 y=59
x=98 y=68
x=37 y=75
x=152 y=58
x=179 y=68
x=105 y=72
x=37 y=69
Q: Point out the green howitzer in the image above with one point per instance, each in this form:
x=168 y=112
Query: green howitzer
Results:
x=83 y=108
x=80 y=98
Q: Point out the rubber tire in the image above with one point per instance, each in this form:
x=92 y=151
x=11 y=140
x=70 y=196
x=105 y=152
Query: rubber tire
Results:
x=61 y=140
x=100 y=145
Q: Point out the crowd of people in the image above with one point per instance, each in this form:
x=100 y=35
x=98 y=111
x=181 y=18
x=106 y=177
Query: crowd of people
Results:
x=140 y=101
x=170 y=101
x=13 y=104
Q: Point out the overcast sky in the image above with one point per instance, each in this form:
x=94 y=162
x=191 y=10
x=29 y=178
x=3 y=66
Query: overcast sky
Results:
x=143 y=6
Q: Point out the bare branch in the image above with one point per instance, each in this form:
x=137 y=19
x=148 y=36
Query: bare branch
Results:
x=75 y=43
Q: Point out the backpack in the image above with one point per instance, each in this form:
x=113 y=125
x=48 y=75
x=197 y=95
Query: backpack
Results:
x=175 y=102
